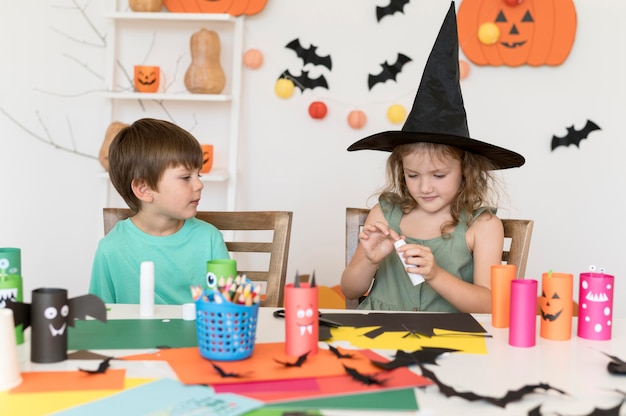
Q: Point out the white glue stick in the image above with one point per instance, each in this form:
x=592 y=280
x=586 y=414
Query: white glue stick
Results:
x=146 y=289
x=416 y=278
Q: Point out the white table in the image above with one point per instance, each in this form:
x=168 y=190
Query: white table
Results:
x=576 y=366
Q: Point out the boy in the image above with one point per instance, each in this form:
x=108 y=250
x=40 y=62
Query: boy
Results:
x=155 y=166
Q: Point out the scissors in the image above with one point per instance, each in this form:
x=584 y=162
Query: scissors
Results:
x=280 y=313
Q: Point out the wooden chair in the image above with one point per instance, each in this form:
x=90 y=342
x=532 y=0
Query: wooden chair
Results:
x=240 y=224
x=517 y=234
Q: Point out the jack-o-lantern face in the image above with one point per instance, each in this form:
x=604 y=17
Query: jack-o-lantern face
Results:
x=533 y=32
x=551 y=306
x=147 y=78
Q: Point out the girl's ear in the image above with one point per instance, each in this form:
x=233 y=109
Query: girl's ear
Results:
x=141 y=190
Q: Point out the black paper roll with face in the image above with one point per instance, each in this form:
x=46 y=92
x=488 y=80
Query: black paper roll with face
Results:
x=49 y=318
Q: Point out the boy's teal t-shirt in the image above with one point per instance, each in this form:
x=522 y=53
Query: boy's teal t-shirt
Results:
x=179 y=262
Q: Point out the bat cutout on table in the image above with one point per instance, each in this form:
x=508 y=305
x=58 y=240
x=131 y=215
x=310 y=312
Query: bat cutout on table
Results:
x=303 y=81
x=509 y=397
x=616 y=366
x=225 y=374
x=574 y=136
x=298 y=363
x=394 y=6
x=389 y=72
x=309 y=55
x=363 y=378
x=338 y=353
x=613 y=411
x=102 y=367
x=426 y=355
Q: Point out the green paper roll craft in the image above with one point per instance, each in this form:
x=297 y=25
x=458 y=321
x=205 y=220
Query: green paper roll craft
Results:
x=11 y=282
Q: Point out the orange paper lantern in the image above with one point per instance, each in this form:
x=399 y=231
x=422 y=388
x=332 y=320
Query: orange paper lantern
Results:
x=357 y=119
x=318 y=110
x=533 y=32
x=284 y=87
x=253 y=59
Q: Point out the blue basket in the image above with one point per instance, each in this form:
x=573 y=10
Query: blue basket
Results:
x=225 y=330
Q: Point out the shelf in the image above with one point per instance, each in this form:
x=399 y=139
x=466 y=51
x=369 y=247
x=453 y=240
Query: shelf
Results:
x=215 y=175
x=167 y=16
x=183 y=96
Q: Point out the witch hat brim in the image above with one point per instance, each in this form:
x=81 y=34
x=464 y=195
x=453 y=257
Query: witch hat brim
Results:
x=438 y=115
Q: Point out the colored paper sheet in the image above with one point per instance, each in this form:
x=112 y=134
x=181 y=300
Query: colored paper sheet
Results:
x=278 y=391
x=131 y=334
x=44 y=404
x=192 y=368
x=48 y=381
x=408 y=331
x=402 y=399
x=173 y=398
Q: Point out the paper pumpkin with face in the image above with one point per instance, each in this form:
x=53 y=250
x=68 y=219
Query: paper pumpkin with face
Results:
x=147 y=78
x=556 y=306
x=533 y=32
x=595 y=306
x=48 y=315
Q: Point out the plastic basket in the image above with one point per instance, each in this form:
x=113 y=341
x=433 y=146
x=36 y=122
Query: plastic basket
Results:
x=225 y=330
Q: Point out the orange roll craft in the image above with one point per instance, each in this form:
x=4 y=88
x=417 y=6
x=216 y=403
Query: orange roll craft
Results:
x=501 y=277
x=301 y=318
x=556 y=305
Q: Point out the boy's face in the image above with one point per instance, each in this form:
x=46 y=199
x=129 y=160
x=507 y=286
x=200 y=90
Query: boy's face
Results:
x=179 y=192
x=432 y=181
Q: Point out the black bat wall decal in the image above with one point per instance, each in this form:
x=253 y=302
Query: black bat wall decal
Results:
x=394 y=6
x=389 y=72
x=309 y=55
x=303 y=81
x=574 y=136
x=509 y=397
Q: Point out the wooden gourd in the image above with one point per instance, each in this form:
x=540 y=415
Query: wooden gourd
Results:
x=205 y=74
x=109 y=135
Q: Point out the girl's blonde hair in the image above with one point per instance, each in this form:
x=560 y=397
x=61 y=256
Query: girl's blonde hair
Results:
x=478 y=183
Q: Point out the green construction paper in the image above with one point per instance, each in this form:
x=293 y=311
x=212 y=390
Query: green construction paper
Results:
x=400 y=399
x=132 y=333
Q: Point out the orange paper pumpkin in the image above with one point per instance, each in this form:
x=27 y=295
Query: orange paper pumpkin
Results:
x=532 y=32
x=147 y=78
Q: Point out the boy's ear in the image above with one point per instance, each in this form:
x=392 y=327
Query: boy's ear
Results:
x=141 y=190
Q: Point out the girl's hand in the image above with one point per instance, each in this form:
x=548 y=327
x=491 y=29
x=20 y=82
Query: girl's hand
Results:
x=420 y=259
x=377 y=241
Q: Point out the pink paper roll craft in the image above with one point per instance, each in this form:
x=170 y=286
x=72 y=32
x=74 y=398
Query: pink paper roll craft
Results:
x=301 y=318
x=595 y=305
x=501 y=277
x=556 y=306
x=523 y=315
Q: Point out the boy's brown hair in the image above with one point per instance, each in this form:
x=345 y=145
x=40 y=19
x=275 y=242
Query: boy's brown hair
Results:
x=144 y=150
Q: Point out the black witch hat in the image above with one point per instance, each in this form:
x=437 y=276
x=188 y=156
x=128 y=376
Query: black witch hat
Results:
x=438 y=115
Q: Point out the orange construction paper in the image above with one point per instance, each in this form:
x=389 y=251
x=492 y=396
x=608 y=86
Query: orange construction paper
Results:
x=192 y=368
x=44 y=381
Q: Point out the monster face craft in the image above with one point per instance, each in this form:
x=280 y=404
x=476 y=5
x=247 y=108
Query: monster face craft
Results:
x=595 y=306
x=301 y=318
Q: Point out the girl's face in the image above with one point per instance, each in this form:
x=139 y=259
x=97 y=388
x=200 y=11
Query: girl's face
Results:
x=179 y=192
x=433 y=181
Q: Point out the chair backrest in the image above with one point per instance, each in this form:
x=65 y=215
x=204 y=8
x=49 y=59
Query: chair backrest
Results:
x=239 y=224
x=517 y=235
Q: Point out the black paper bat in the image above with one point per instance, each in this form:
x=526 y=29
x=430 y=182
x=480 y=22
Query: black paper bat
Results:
x=223 y=373
x=363 y=378
x=509 y=397
x=574 y=136
x=303 y=81
x=298 y=363
x=426 y=355
x=309 y=55
x=617 y=365
x=338 y=353
x=392 y=8
x=102 y=367
x=389 y=72
x=613 y=411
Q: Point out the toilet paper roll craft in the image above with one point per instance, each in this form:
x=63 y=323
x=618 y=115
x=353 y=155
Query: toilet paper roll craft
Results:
x=556 y=306
x=595 y=305
x=48 y=315
x=11 y=282
x=301 y=317
x=523 y=322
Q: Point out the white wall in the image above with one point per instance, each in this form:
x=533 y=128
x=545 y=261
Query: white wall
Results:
x=52 y=199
